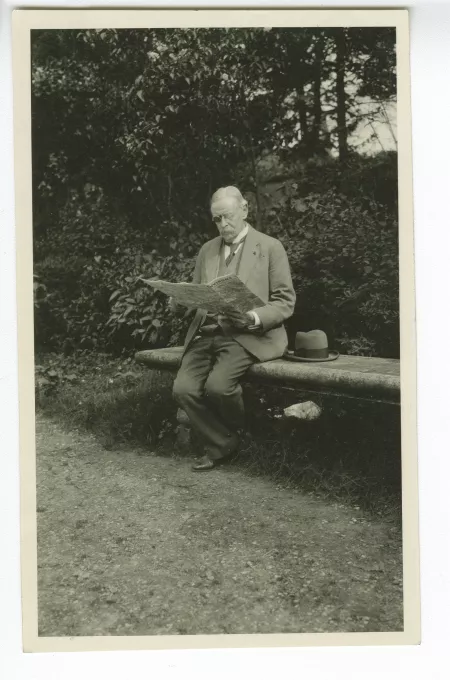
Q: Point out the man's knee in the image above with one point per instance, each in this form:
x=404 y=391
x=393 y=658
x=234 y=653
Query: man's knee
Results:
x=185 y=388
x=218 y=386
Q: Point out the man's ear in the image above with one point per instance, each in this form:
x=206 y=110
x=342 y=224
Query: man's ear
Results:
x=245 y=209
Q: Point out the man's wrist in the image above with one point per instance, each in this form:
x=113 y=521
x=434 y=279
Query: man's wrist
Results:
x=256 y=319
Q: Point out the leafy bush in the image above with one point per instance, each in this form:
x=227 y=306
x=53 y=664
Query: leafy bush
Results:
x=342 y=247
x=344 y=261
x=101 y=303
x=366 y=179
x=139 y=315
x=88 y=292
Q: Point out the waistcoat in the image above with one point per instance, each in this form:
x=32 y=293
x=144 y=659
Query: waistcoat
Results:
x=233 y=267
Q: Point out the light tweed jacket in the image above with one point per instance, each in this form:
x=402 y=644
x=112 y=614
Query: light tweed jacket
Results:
x=264 y=268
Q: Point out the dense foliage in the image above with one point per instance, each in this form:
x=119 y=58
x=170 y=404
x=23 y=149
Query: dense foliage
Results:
x=133 y=130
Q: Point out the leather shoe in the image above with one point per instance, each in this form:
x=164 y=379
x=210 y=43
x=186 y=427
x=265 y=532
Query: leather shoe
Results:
x=204 y=463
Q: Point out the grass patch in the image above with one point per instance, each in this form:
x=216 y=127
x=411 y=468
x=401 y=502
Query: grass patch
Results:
x=351 y=452
x=115 y=398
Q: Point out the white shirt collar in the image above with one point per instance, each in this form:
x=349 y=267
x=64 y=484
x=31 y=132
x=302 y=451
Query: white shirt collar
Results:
x=242 y=234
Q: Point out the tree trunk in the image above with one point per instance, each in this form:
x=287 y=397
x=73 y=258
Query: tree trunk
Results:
x=247 y=125
x=254 y=170
x=317 y=100
x=169 y=195
x=304 y=132
x=341 y=55
x=257 y=188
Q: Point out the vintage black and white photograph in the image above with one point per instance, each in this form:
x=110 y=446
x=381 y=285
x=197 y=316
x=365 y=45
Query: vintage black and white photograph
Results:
x=215 y=239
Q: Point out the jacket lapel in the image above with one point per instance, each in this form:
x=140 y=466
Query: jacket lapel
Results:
x=212 y=260
x=249 y=254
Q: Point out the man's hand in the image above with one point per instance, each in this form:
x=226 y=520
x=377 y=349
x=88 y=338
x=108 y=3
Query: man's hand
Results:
x=172 y=305
x=176 y=308
x=239 y=320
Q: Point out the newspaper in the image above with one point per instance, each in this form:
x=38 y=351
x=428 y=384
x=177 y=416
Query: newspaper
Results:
x=224 y=295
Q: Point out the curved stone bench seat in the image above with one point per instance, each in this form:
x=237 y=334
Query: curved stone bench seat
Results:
x=368 y=378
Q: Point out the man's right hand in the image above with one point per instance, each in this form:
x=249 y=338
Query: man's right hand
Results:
x=178 y=309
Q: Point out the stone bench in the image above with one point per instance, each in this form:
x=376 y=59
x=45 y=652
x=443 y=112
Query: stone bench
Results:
x=366 y=378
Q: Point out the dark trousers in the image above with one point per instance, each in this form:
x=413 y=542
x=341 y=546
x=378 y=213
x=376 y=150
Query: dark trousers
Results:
x=207 y=388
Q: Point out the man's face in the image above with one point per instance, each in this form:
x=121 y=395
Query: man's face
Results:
x=229 y=217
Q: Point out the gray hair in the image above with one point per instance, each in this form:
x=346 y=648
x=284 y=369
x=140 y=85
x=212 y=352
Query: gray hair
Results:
x=228 y=192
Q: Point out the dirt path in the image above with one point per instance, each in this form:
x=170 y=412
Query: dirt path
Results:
x=133 y=544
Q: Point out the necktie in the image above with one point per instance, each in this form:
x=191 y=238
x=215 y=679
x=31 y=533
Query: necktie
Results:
x=233 y=247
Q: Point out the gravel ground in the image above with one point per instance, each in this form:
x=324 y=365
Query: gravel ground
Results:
x=130 y=543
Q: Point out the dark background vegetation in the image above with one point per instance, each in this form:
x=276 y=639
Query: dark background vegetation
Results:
x=134 y=129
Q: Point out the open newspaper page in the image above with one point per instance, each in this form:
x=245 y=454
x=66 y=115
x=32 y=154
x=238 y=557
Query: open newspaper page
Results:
x=225 y=295
x=235 y=294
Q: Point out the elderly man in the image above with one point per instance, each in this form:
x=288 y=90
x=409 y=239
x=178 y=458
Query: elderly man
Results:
x=218 y=351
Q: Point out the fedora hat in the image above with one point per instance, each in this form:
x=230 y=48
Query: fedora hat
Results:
x=311 y=346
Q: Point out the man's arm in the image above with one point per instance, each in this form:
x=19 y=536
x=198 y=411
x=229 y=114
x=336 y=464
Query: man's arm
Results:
x=249 y=320
x=281 y=291
x=281 y=296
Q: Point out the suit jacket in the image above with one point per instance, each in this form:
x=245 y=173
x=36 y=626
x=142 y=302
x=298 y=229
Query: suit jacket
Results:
x=264 y=268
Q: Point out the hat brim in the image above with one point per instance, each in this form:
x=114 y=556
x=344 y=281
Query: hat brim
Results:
x=289 y=354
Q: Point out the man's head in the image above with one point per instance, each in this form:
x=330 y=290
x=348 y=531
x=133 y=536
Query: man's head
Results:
x=229 y=211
